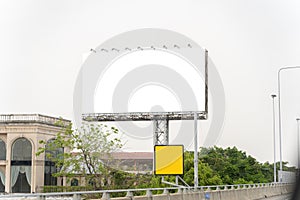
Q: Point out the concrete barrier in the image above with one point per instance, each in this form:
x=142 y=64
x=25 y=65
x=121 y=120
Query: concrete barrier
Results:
x=245 y=193
x=231 y=192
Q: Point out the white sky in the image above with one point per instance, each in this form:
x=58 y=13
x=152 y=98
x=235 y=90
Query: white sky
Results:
x=42 y=43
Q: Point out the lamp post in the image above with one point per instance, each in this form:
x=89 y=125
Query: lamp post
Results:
x=274 y=135
x=195 y=152
x=279 y=115
x=298 y=143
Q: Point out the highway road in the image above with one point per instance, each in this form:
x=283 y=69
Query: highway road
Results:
x=281 y=197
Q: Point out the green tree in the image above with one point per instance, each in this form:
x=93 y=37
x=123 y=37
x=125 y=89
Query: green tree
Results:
x=87 y=152
x=234 y=166
x=206 y=176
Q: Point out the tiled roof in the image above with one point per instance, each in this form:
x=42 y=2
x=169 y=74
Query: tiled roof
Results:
x=130 y=155
x=133 y=155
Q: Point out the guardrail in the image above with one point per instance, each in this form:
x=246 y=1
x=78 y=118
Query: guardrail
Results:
x=148 y=191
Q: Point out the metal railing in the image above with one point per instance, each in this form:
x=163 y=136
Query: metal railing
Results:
x=31 y=118
x=148 y=191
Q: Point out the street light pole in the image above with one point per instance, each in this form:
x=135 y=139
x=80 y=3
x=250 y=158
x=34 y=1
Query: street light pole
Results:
x=195 y=152
x=274 y=136
x=279 y=116
x=298 y=143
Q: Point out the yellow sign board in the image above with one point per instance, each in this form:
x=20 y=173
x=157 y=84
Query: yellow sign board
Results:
x=168 y=159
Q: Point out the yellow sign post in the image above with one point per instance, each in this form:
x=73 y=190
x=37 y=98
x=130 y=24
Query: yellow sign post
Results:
x=168 y=159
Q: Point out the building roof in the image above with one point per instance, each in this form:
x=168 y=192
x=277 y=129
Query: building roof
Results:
x=32 y=118
x=133 y=155
x=128 y=155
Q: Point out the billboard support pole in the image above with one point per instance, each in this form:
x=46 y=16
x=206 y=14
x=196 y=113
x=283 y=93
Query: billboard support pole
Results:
x=195 y=152
x=161 y=131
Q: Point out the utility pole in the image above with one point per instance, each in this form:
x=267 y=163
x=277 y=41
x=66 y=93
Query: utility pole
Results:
x=274 y=136
x=195 y=152
x=279 y=116
x=298 y=144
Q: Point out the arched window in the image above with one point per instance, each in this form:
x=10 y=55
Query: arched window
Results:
x=2 y=150
x=74 y=182
x=2 y=157
x=22 y=150
x=21 y=166
x=50 y=167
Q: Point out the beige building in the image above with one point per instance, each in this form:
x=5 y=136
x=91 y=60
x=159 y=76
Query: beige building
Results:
x=21 y=171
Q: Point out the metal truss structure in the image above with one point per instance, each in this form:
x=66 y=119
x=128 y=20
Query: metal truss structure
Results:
x=160 y=120
x=144 y=116
x=161 y=130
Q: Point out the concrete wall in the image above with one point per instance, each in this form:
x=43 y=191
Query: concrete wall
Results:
x=226 y=194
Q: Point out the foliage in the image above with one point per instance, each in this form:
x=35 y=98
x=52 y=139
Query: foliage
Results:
x=93 y=145
x=236 y=167
x=206 y=175
x=217 y=166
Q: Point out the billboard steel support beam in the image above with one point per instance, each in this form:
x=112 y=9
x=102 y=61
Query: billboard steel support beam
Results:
x=161 y=131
